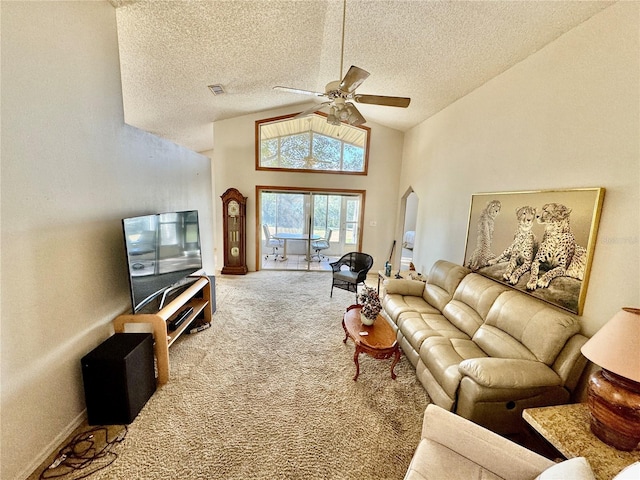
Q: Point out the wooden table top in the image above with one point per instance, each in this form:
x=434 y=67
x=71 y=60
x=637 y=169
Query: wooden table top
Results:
x=380 y=335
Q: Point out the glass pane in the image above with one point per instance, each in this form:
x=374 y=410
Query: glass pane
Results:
x=353 y=158
x=290 y=212
x=269 y=152
x=294 y=150
x=353 y=214
x=333 y=216
x=268 y=205
x=326 y=152
x=320 y=214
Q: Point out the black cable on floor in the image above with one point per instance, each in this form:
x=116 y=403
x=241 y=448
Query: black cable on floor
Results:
x=85 y=454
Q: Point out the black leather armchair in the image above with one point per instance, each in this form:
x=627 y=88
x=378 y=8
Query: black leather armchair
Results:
x=350 y=271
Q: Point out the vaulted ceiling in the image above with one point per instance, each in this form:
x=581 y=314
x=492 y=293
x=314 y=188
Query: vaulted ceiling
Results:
x=434 y=51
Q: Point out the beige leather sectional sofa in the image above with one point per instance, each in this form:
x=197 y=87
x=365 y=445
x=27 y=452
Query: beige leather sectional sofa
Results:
x=481 y=349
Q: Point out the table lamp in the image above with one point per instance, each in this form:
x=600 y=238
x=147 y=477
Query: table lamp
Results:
x=614 y=391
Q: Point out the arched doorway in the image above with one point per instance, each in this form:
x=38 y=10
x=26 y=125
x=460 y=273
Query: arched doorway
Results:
x=410 y=206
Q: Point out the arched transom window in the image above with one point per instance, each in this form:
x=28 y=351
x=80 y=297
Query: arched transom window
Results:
x=310 y=144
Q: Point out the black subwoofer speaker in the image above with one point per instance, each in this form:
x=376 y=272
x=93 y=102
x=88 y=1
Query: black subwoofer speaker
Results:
x=119 y=378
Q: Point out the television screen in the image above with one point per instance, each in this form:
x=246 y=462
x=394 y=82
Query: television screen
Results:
x=162 y=250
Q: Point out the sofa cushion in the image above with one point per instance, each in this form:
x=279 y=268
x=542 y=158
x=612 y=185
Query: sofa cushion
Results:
x=396 y=304
x=442 y=326
x=442 y=282
x=433 y=461
x=500 y=344
x=414 y=328
x=442 y=356
x=346 y=276
x=418 y=326
x=471 y=302
x=577 y=467
x=518 y=318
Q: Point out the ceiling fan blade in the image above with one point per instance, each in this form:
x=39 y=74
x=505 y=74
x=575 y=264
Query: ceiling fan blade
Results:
x=297 y=90
x=382 y=100
x=352 y=80
x=309 y=111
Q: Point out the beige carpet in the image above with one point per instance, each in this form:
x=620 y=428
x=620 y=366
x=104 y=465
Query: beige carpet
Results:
x=268 y=393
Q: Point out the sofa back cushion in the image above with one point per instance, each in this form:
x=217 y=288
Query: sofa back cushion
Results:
x=471 y=302
x=442 y=282
x=520 y=326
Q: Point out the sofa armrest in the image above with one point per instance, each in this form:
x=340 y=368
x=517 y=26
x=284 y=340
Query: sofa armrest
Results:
x=483 y=447
x=402 y=286
x=509 y=373
x=570 y=362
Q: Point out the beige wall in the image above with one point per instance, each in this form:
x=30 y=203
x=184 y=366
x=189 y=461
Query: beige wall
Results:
x=71 y=170
x=234 y=166
x=567 y=116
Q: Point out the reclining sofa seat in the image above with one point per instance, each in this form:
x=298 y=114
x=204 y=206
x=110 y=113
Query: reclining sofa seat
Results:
x=481 y=349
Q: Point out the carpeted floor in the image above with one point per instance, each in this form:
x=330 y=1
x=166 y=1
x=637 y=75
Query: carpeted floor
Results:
x=267 y=393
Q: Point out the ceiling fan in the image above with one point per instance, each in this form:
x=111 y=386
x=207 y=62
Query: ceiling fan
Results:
x=341 y=93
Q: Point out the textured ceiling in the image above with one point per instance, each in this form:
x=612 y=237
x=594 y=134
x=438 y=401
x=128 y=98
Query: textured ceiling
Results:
x=432 y=51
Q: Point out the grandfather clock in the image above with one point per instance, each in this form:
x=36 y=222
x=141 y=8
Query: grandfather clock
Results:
x=234 y=230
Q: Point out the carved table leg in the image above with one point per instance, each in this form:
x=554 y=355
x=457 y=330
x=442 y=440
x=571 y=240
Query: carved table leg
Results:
x=355 y=360
x=396 y=358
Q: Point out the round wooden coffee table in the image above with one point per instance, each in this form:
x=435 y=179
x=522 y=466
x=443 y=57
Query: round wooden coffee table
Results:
x=377 y=341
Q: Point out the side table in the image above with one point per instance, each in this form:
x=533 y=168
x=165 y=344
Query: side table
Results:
x=566 y=427
x=377 y=341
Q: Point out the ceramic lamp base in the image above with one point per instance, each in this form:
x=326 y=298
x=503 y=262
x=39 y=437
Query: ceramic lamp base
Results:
x=614 y=403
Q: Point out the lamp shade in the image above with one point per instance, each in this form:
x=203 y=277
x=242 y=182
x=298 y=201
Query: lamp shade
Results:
x=616 y=346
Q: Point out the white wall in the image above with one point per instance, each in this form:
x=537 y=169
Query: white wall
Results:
x=411 y=212
x=71 y=170
x=567 y=116
x=234 y=165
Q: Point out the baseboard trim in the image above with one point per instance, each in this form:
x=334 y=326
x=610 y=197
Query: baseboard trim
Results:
x=53 y=446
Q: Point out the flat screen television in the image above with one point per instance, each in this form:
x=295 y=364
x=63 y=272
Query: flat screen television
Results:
x=162 y=250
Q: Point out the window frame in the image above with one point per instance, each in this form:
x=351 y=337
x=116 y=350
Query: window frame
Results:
x=281 y=118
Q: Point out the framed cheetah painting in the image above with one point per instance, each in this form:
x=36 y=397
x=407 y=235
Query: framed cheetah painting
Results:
x=539 y=242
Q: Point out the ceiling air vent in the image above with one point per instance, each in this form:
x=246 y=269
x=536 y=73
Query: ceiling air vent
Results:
x=216 y=89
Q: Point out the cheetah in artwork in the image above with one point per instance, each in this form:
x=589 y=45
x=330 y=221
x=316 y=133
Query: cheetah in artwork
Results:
x=558 y=250
x=521 y=252
x=482 y=253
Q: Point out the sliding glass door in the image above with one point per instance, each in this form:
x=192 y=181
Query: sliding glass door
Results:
x=307 y=229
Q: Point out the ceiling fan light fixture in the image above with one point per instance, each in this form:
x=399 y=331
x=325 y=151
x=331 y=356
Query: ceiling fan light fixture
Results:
x=355 y=117
x=332 y=118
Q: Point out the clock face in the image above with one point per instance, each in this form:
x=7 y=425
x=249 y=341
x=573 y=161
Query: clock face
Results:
x=233 y=208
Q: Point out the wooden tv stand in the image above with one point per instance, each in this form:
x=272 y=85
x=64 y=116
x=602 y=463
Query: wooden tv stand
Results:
x=196 y=295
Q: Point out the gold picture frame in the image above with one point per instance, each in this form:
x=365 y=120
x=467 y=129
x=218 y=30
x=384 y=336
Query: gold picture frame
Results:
x=539 y=242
